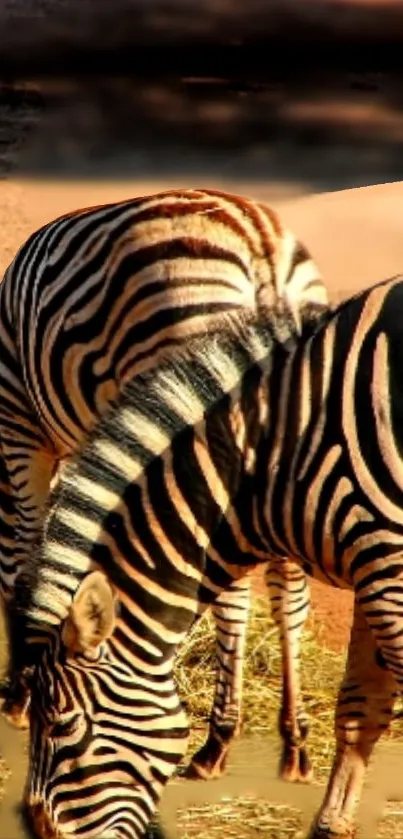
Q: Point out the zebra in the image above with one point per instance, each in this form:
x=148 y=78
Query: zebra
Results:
x=239 y=448
x=92 y=299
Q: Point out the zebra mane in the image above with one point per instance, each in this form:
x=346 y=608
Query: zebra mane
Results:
x=152 y=410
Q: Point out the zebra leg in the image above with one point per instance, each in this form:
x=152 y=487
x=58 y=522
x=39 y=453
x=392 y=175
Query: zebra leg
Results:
x=30 y=465
x=230 y=610
x=7 y=538
x=30 y=468
x=290 y=598
x=364 y=711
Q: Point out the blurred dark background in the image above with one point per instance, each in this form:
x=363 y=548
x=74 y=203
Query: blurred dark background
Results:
x=307 y=91
x=194 y=36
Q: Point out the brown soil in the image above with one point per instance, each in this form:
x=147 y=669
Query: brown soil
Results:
x=331 y=612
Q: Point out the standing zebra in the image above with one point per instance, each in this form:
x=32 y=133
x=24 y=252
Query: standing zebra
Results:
x=99 y=295
x=239 y=448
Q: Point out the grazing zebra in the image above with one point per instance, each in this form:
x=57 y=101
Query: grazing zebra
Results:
x=150 y=492
x=238 y=448
x=92 y=299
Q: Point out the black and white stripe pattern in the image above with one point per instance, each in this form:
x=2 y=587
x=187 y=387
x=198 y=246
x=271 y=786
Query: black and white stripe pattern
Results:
x=152 y=472
x=94 y=298
x=243 y=448
x=99 y=295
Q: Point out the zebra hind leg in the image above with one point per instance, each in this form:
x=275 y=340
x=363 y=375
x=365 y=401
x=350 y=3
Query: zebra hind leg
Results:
x=290 y=599
x=30 y=466
x=15 y=694
x=364 y=711
x=230 y=611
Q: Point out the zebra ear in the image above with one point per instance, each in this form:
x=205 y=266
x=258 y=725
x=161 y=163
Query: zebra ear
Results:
x=92 y=615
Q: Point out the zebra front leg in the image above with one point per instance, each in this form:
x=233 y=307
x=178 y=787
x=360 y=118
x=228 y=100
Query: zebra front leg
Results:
x=364 y=710
x=230 y=610
x=290 y=598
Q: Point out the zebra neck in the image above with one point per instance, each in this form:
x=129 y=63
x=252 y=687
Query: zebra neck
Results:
x=143 y=492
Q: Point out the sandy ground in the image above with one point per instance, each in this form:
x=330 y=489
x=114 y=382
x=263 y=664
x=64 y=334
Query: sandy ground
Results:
x=354 y=234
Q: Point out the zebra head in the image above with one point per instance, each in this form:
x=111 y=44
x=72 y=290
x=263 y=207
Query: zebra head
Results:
x=100 y=750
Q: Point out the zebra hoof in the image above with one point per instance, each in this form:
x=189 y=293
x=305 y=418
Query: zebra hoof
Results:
x=295 y=766
x=209 y=762
x=204 y=772
x=335 y=828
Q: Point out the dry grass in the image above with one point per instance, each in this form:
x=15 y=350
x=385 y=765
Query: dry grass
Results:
x=195 y=669
x=391 y=826
x=4 y=774
x=239 y=817
x=321 y=671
